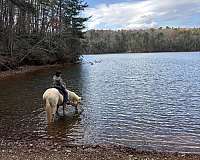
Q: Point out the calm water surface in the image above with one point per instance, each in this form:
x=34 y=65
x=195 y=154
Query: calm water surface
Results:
x=146 y=101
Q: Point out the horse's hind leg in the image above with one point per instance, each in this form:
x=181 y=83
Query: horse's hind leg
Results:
x=57 y=110
x=49 y=115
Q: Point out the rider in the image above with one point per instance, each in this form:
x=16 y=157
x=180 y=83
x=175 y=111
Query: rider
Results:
x=60 y=85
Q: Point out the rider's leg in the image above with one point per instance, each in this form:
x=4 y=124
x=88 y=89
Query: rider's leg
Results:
x=64 y=98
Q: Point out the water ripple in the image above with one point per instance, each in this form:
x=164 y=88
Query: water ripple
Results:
x=147 y=101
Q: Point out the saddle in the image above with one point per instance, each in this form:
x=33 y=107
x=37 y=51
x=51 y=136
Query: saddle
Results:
x=64 y=94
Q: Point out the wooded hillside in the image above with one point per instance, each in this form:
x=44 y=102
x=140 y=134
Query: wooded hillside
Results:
x=40 y=31
x=149 y=40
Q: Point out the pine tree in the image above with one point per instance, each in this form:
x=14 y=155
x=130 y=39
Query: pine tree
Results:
x=74 y=24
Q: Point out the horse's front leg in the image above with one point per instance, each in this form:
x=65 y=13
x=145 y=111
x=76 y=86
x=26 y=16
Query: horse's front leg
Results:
x=75 y=106
x=76 y=109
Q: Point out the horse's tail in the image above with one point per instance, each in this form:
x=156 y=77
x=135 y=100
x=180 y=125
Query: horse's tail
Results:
x=48 y=109
x=49 y=112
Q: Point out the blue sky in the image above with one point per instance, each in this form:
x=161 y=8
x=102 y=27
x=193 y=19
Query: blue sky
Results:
x=141 y=14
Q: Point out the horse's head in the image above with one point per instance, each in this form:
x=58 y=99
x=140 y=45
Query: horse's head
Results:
x=77 y=102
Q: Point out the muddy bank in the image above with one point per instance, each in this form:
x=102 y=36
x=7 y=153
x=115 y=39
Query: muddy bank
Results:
x=101 y=152
x=27 y=69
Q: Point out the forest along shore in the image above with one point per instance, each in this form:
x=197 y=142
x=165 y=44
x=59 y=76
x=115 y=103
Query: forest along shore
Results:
x=142 y=40
x=30 y=35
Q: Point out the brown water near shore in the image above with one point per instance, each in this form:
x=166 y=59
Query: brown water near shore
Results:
x=27 y=69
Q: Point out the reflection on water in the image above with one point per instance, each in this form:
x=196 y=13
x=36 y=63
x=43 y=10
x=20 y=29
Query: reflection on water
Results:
x=63 y=127
x=147 y=101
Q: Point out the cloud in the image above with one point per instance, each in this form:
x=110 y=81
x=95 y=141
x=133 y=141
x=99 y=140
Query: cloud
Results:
x=144 y=14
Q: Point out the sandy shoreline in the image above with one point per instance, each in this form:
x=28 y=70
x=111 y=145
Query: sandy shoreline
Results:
x=90 y=152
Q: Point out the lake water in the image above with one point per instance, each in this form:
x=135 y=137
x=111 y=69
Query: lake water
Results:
x=148 y=101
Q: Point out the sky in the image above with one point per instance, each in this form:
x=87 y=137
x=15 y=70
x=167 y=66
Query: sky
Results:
x=142 y=14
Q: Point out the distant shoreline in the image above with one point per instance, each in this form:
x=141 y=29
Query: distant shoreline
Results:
x=141 y=52
x=147 y=40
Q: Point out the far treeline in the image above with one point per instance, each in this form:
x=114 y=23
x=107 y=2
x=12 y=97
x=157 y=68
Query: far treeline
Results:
x=37 y=32
x=149 y=40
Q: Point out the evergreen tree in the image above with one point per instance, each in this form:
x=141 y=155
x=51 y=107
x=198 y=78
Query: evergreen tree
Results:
x=74 y=24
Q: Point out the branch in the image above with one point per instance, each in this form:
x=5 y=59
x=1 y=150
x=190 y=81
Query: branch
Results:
x=5 y=66
x=29 y=52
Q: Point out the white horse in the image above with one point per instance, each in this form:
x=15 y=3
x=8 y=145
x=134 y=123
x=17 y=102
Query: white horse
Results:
x=52 y=99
